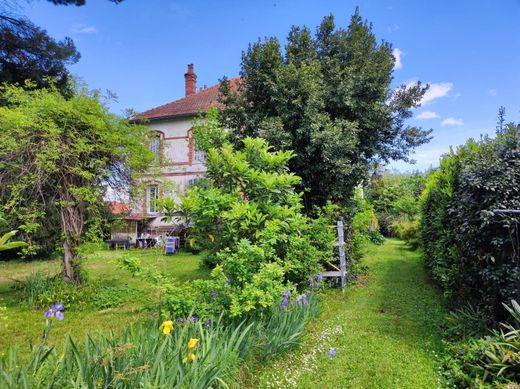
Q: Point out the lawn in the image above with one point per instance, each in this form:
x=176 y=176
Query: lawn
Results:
x=384 y=330
x=26 y=323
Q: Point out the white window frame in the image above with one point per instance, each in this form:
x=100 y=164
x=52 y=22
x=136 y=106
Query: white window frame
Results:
x=152 y=193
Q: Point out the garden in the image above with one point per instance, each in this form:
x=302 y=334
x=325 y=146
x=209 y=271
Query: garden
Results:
x=432 y=296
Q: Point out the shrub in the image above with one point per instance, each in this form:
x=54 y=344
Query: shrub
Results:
x=248 y=219
x=471 y=250
x=395 y=198
x=364 y=226
x=39 y=290
x=407 y=230
x=490 y=361
x=466 y=322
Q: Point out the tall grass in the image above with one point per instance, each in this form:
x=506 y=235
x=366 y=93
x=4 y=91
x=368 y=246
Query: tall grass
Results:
x=282 y=328
x=35 y=285
x=141 y=356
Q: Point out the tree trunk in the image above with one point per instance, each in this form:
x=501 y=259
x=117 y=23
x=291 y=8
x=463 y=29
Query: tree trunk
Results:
x=72 y=220
x=69 y=261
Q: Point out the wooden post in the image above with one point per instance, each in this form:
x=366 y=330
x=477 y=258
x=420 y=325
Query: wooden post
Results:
x=342 y=260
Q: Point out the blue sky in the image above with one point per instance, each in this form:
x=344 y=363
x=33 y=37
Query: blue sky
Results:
x=469 y=51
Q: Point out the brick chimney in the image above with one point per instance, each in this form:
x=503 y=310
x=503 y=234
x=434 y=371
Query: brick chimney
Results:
x=190 y=79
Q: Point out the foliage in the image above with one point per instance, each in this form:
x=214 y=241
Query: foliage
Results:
x=385 y=331
x=141 y=356
x=181 y=352
x=249 y=220
x=489 y=361
x=472 y=250
x=281 y=328
x=27 y=52
x=407 y=230
x=131 y=299
x=39 y=290
x=365 y=227
x=57 y=157
x=466 y=322
x=6 y=245
x=396 y=201
x=328 y=97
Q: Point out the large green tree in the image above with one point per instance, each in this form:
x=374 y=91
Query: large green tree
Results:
x=28 y=53
x=58 y=156
x=328 y=97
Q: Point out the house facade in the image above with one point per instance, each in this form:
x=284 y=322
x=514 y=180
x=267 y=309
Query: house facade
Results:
x=178 y=163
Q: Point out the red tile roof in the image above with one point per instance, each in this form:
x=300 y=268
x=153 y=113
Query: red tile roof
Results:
x=118 y=208
x=189 y=105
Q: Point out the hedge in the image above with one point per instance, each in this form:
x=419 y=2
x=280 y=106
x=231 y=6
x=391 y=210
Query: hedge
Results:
x=471 y=250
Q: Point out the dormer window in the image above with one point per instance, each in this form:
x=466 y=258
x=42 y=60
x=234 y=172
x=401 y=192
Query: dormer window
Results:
x=155 y=147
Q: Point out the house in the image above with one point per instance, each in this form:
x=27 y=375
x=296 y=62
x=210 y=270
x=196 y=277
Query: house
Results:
x=178 y=162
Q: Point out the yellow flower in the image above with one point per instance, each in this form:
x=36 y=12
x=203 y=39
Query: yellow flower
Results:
x=192 y=343
x=166 y=327
x=190 y=357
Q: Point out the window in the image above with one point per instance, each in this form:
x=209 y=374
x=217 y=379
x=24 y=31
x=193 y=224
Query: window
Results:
x=198 y=155
x=155 y=147
x=152 y=195
x=192 y=181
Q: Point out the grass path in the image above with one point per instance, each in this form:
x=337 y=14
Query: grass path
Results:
x=384 y=330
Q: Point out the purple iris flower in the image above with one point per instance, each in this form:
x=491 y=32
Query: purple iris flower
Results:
x=304 y=299
x=182 y=320
x=332 y=352
x=56 y=310
x=194 y=319
x=208 y=323
x=285 y=299
x=319 y=279
x=311 y=283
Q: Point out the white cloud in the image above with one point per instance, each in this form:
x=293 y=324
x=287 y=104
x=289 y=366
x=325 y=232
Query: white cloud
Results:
x=84 y=29
x=451 y=121
x=425 y=115
x=397 y=55
x=493 y=92
x=392 y=28
x=435 y=91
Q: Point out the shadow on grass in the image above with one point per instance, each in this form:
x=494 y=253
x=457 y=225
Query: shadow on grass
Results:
x=405 y=303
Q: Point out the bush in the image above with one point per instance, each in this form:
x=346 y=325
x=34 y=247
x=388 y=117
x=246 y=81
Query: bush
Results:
x=490 y=361
x=470 y=249
x=466 y=323
x=248 y=219
x=40 y=290
x=395 y=198
x=407 y=230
